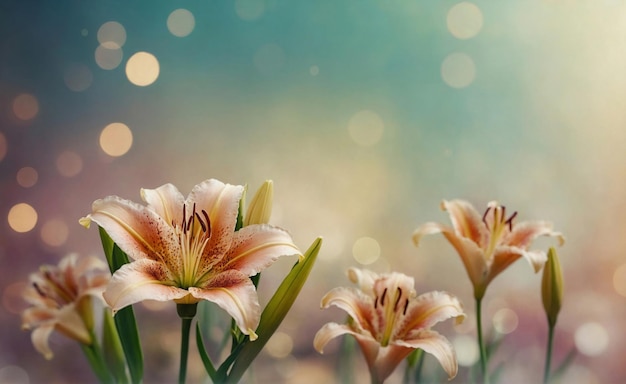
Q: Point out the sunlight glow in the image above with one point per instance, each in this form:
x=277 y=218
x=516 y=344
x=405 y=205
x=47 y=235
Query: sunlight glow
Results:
x=591 y=339
x=112 y=35
x=366 y=128
x=25 y=106
x=78 y=77
x=142 y=69
x=69 y=164
x=54 y=232
x=279 y=345
x=108 y=58
x=249 y=9
x=27 y=177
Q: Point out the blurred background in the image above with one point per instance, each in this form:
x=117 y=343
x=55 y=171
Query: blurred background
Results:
x=366 y=114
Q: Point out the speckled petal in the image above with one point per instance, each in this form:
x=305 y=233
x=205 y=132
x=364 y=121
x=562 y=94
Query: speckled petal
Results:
x=167 y=201
x=467 y=222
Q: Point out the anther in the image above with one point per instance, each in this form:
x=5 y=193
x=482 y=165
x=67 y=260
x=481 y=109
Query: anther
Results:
x=375 y=302
x=485 y=216
x=382 y=299
x=406 y=305
x=208 y=222
x=184 y=221
x=201 y=222
x=510 y=221
x=39 y=291
x=395 y=306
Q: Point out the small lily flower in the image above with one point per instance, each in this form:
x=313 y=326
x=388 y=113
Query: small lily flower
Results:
x=552 y=287
x=389 y=321
x=61 y=298
x=488 y=244
x=260 y=208
x=187 y=250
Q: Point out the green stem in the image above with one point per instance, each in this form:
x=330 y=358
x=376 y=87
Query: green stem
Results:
x=481 y=344
x=96 y=360
x=186 y=312
x=546 y=373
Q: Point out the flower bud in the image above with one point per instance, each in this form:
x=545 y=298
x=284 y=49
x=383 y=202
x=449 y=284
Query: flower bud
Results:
x=552 y=286
x=260 y=208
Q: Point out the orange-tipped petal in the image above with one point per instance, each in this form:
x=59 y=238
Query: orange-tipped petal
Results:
x=234 y=292
x=438 y=346
x=137 y=230
x=467 y=222
x=255 y=248
x=526 y=232
x=141 y=280
x=167 y=201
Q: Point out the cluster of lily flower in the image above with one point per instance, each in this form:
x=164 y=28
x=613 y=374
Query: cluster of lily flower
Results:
x=208 y=246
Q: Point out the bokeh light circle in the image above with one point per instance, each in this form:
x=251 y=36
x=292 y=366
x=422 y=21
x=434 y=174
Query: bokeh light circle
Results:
x=458 y=70
x=366 y=128
x=12 y=299
x=505 y=321
x=78 y=77
x=181 y=22
x=112 y=35
x=108 y=58
x=466 y=350
x=142 y=69
x=591 y=339
x=116 y=139
x=464 y=20
x=619 y=280
x=279 y=345
x=27 y=177
x=249 y=9
x=3 y=146
x=22 y=217
x=54 y=232
x=25 y=106
x=14 y=375
x=69 y=164
x=366 y=250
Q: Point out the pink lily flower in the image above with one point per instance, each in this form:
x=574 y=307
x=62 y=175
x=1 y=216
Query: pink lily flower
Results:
x=389 y=321
x=61 y=298
x=187 y=250
x=488 y=244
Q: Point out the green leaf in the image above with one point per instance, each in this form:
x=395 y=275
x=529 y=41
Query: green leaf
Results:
x=124 y=318
x=275 y=311
x=206 y=360
x=112 y=348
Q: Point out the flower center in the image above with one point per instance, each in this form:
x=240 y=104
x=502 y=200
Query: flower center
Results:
x=194 y=233
x=53 y=288
x=498 y=225
x=392 y=305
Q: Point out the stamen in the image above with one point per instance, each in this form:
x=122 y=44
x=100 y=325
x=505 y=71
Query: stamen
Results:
x=208 y=222
x=201 y=222
x=39 y=290
x=375 y=302
x=510 y=221
x=406 y=305
x=485 y=216
x=395 y=306
x=503 y=213
x=382 y=299
x=184 y=222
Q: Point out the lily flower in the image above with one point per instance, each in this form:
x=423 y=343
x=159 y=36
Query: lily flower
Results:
x=488 y=244
x=389 y=321
x=61 y=298
x=187 y=250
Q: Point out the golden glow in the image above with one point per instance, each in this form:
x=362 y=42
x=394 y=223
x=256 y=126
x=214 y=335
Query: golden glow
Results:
x=181 y=22
x=112 y=35
x=458 y=70
x=108 y=58
x=279 y=345
x=3 y=146
x=116 y=139
x=54 y=232
x=69 y=164
x=366 y=250
x=25 y=106
x=27 y=177
x=78 y=77
x=366 y=128
x=22 y=217
x=591 y=339
x=465 y=20
x=142 y=69
x=249 y=9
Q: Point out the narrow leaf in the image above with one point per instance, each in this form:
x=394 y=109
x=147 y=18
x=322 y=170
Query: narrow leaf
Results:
x=275 y=311
x=206 y=360
x=112 y=348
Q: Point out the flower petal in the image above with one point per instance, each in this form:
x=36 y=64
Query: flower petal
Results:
x=525 y=232
x=438 y=346
x=472 y=255
x=167 y=201
x=137 y=230
x=427 y=310
x=466 y=221
x=364 y=278
x=254 y=248
x=141 y=280
x=34 y=316
x=234 y=292
x=72 y=325
x=328 y=332
x=40 y=337
x=221 y=203
x=359 y=306
x=387 y=358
